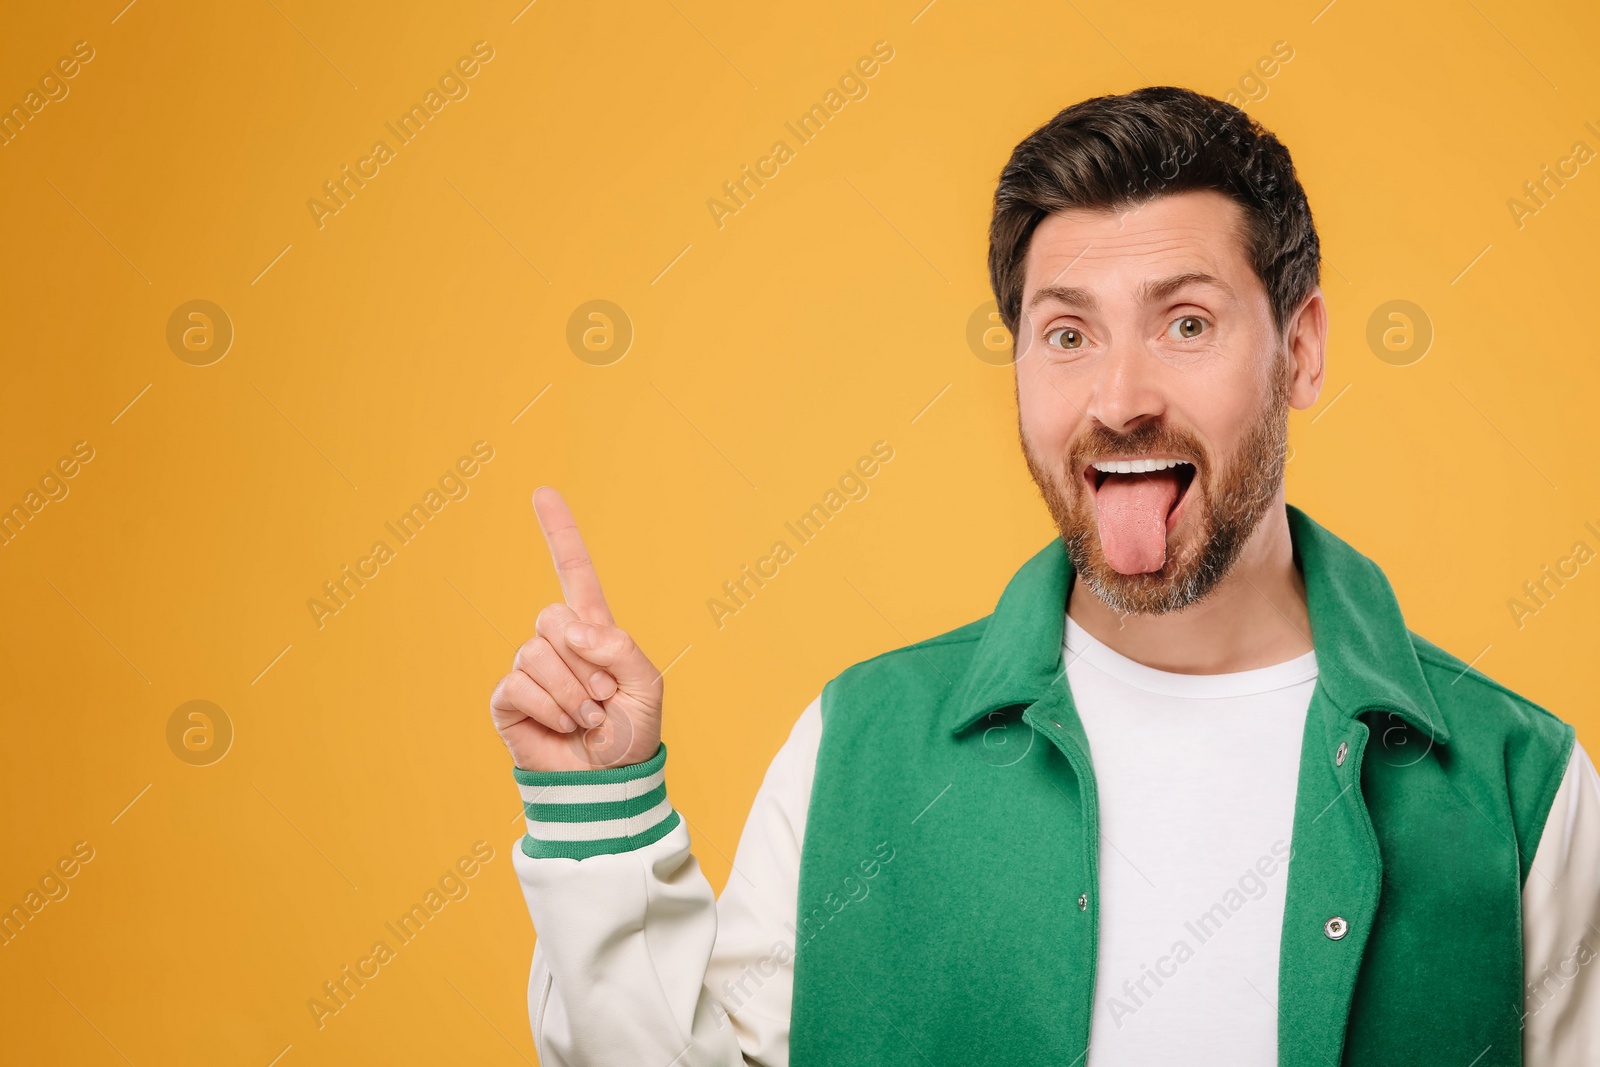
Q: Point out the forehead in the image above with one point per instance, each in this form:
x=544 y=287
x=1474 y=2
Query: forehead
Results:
x=1198 y=230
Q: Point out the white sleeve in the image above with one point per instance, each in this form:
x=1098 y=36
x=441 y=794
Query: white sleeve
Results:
x=637 y=963
x=1561 y=927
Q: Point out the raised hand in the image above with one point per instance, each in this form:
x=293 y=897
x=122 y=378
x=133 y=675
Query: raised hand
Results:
x=581 y=695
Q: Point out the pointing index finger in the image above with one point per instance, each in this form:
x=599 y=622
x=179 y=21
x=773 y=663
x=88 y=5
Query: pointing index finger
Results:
x=580 y=585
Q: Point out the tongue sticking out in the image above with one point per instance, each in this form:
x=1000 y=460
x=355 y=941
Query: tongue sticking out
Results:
x=1133 y=519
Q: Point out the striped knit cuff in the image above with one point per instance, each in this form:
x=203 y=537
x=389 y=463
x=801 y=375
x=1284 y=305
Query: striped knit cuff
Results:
x=578 y=814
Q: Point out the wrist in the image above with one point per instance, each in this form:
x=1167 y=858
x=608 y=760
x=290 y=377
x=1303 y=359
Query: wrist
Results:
x=576 y=814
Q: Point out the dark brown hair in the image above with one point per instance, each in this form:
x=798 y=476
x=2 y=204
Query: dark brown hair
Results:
x=1115 y=152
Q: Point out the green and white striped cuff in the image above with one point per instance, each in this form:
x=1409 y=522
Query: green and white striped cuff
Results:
x=578 y=814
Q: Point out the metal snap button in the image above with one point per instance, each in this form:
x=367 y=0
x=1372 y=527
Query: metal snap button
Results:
x=1336 y=928
x=1338 y=757
x=1083 y=902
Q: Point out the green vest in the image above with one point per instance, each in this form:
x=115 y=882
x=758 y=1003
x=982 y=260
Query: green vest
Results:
x=948 y=906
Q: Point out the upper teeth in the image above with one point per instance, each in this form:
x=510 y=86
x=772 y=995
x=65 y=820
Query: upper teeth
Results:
x=1137 y=466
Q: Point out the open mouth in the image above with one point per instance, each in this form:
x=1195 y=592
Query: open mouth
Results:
x=1138 y=500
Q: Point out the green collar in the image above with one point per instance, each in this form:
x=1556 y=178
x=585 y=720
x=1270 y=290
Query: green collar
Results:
x=1365 y=660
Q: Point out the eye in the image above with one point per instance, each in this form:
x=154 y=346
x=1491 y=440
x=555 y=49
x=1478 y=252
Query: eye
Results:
x=1070 y=337
x=1186 y=328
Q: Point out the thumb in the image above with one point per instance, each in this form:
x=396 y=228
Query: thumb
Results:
x=612 y=648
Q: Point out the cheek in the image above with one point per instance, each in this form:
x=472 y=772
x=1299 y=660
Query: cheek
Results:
x=1046 y=412
x=1221 y=411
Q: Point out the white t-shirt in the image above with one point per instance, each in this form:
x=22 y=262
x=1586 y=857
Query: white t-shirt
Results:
x=1194 y=843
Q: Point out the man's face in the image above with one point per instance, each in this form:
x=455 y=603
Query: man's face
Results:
x=1153 y=393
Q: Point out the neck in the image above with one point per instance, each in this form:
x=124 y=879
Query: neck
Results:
x=1255 y=617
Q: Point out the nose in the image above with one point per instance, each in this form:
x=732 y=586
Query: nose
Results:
x=1125 y=390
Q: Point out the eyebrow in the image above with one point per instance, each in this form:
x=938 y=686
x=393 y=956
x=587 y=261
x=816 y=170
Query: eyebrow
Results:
x=1154 y=289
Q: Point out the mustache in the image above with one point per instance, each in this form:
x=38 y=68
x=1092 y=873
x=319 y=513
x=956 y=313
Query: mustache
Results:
x=1098 y=441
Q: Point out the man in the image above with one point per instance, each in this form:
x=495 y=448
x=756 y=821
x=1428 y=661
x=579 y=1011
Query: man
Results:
x=1191 y=794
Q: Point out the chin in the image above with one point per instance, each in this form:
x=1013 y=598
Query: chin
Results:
x=1184 y=579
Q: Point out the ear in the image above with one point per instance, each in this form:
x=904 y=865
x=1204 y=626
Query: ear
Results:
x=1307 y=342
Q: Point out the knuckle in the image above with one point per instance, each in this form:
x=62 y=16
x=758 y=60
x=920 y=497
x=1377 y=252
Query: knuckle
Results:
x=505 y=690
x=551 y=671
x=538 y=703
x=621 y=642
x=528 y=696
x=551 y=618
x=526 y=653
x=542 y=658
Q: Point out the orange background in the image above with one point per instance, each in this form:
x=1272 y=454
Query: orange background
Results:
x=769 y=353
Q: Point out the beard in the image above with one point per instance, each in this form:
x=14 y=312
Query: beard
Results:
x=1228 y=504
